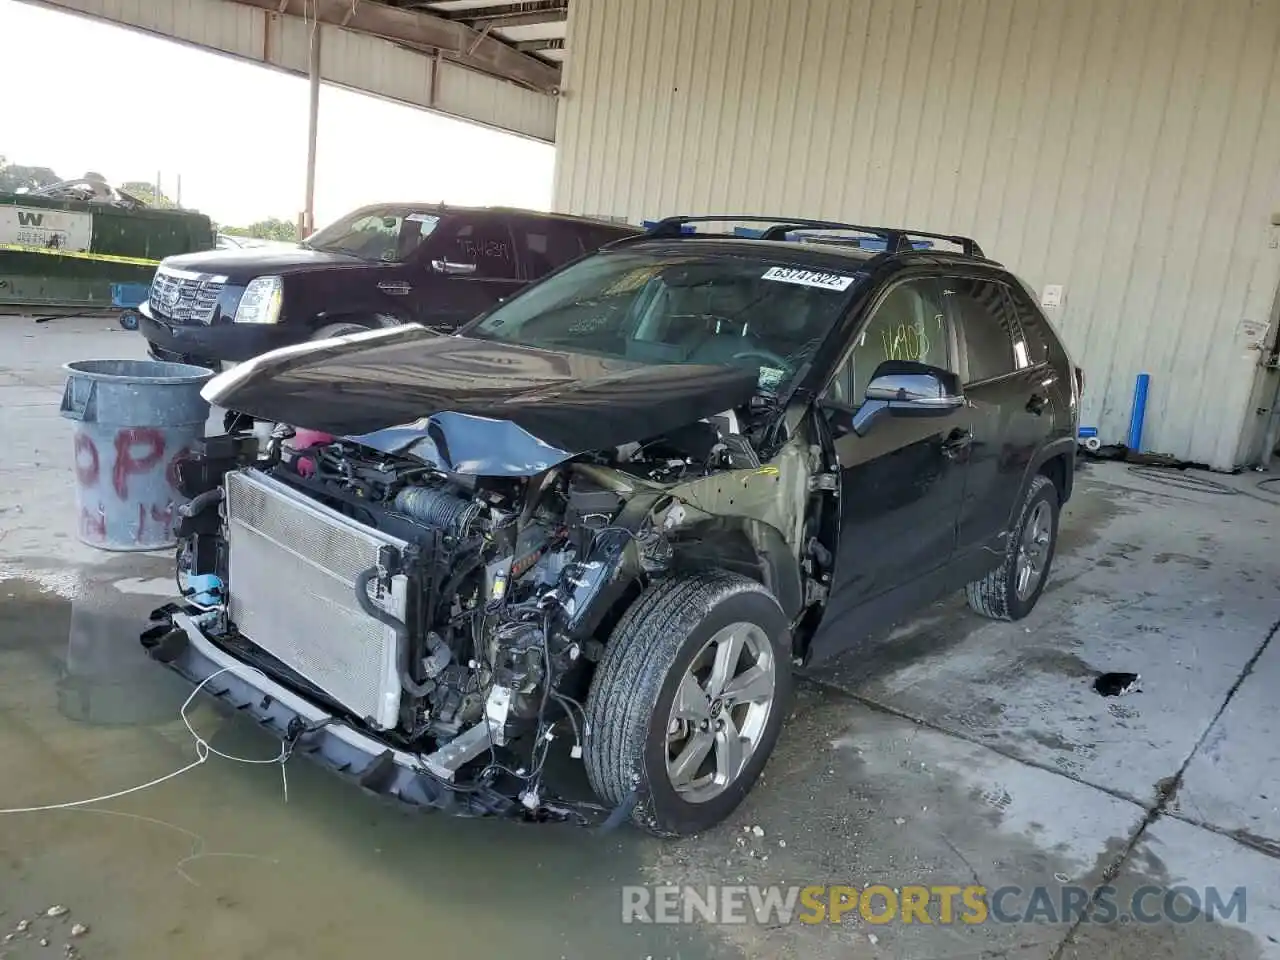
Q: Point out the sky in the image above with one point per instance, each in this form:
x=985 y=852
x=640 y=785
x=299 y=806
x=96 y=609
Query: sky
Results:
x=244 y=156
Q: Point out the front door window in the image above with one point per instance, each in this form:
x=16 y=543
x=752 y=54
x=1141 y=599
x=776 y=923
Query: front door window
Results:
x=483 y=244
x=909 y=324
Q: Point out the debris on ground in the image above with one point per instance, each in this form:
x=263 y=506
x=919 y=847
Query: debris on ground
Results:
x=79 y=930
x=22 y=926
x=1118 y=684
x=899 y=820
x=57 y=910
x=758 y=831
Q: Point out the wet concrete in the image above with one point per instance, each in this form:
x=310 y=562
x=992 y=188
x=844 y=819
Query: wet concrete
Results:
x=216 y=862
x=1119 y=601
x=951 y=751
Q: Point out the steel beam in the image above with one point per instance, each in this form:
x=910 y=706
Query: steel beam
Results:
x=533 y=46
x=423 y=30
x=515 y=15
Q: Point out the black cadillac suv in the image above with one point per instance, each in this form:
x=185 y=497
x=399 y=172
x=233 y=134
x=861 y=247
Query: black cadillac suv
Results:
x=377 y=267
x=605 y=519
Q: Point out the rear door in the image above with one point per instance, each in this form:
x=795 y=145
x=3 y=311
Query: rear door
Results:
x=470 y=262
x=1012 y=415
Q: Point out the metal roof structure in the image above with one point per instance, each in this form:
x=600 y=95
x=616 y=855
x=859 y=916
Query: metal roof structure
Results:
x=519 y=42
x=491 y=62
x=537 y=28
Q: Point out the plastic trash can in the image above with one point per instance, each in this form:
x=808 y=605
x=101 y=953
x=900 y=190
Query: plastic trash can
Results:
x=135 y=419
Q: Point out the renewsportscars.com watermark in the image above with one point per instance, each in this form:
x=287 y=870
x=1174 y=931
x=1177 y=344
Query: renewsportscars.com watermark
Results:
x=969 y=904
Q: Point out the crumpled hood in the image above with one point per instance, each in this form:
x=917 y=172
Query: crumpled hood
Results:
x=473 y=406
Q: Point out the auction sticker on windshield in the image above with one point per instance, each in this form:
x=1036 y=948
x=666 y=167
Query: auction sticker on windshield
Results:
x=808 y=278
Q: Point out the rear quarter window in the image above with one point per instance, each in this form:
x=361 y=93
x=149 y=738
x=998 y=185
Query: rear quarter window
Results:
x=593 y=238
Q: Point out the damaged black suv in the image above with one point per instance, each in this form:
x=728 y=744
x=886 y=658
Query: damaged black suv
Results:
x=608 y=518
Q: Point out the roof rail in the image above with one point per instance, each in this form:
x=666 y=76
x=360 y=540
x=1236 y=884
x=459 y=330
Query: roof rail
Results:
x=897 y=239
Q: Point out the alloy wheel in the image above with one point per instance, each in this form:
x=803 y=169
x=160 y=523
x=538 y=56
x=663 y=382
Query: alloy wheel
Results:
x=720 y=711
x=1033 y=550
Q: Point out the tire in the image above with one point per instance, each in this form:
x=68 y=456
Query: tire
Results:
x=339 y=330
x=359 y=325
x=667 y=631
x=996 y=595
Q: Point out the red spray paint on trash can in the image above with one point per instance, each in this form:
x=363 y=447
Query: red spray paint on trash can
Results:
x=135 y=420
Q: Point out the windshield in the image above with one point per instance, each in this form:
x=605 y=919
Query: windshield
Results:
x=376 y=233
x=755 y=313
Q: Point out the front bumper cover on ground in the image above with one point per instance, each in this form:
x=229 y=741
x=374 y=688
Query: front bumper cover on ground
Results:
x=178 y=641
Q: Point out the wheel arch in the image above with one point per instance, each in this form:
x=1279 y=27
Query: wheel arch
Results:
x=746 y=546
x=1055 y=460
x=373 y=319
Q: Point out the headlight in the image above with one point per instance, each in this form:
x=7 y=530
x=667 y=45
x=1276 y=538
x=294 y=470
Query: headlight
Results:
x=260 y=302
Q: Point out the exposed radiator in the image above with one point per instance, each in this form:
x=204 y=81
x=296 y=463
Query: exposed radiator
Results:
x=292 y=572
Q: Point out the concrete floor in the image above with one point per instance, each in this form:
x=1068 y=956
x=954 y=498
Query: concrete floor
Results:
x=953 y=751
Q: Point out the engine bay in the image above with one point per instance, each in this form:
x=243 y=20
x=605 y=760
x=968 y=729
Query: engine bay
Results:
x=511 y=580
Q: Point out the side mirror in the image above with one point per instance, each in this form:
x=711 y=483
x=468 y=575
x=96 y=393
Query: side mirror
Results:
x=905 y=388
x=452 y=268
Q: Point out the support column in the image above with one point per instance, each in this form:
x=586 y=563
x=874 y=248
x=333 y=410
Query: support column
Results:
x=308 y=214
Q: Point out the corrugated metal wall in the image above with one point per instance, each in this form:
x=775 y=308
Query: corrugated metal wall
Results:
x=359 y=62
x=1126 y=149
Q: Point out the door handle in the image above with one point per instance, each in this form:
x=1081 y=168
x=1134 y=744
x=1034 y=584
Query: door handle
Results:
x=397 y=288
x=1036 y=404
x=956 y=443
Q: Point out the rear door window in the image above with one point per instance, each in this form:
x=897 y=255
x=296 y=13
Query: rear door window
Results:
x=546 y=245
x=987 y=327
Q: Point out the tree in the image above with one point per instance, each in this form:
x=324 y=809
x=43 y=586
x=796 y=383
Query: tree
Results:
x=271 y=228
x=15 y=175
x=146 y=192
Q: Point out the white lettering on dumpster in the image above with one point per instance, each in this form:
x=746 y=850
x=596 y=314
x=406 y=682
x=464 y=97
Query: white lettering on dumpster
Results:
x=46 y=228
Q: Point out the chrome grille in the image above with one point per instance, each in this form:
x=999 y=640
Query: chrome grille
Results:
x=185 y=297
x=292 y=572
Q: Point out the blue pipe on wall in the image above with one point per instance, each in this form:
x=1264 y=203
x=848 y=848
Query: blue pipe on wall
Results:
x=1139 y=412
